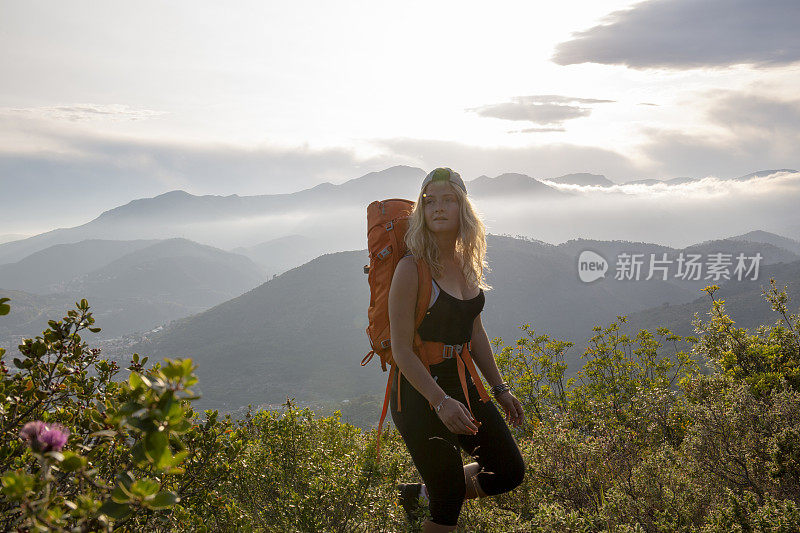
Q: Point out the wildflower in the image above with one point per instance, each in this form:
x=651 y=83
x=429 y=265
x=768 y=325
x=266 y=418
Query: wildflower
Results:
x=44 y=437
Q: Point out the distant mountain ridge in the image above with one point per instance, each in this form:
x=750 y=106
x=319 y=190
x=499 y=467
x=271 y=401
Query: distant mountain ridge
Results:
x=181 y=214
x=584 y=179
x=678 y=181
x=301 y=334
x=149 y=285
x=49 y=270
x=279 y=255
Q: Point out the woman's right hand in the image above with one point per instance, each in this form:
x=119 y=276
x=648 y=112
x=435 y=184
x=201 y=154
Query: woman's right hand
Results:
x=456 y=417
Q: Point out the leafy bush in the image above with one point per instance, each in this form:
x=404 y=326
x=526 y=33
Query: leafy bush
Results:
x=640 y=440
x=127 y=455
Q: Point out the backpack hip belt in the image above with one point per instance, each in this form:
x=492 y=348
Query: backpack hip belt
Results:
x=431 y=353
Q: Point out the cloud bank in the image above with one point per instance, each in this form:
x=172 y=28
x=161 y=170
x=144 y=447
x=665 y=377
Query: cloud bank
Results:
x=684 y=34
x=83 y=112
x=545 y=109
x=74 y=174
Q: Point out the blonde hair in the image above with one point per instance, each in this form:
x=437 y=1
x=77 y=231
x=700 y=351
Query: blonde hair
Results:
x=470 y=243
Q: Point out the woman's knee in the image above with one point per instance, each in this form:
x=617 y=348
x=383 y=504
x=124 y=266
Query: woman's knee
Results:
x=516 y=473
x=504 y=478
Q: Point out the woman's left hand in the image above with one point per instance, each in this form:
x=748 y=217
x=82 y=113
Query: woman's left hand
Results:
x=512 y=407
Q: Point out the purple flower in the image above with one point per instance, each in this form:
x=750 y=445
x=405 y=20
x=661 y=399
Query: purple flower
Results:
x=32 y=430
x=44 y=437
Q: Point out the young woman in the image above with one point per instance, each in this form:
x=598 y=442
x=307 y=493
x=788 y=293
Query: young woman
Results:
x=445 y=231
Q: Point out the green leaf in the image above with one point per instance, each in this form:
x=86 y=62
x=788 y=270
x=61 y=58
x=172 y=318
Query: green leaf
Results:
x=169 y=461
x=135 y=381
x=115 y=510
x=118 y=495
x=181 y=427
x=4 y=307
x=17 y=484
x=72 y=461
x=155 y=444
x=144 y=488
x=163 y=500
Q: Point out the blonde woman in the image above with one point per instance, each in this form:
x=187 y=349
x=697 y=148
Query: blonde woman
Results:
x=446 y=232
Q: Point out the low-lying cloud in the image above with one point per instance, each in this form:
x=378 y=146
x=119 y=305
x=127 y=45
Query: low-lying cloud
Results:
x=683 y=34
x=83 y=112
x=536 y=130
x=546 y=109
x=749 y=132
x=78 y=174
x=673 y=215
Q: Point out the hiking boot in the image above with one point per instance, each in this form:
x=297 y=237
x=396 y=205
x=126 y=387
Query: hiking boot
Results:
x=411 y=499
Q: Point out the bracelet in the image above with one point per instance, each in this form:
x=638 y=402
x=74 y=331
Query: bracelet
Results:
x=446 y=396
x=497 y=390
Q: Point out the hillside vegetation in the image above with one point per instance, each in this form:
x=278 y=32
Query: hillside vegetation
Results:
x=302 y=334
x=642 y=438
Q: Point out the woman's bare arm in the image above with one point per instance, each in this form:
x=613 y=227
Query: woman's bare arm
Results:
x=402 y=307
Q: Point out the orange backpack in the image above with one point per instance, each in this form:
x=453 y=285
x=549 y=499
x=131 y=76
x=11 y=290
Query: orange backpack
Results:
x=387 y=223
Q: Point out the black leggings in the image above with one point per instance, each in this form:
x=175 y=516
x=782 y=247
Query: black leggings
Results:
x=435 y=450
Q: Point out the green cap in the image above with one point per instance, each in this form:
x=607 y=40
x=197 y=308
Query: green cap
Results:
x=444 y=174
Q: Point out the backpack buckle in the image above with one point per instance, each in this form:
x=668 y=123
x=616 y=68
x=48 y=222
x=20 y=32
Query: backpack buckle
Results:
x=385 y=252
x=386 y=343
x=449 y=350
x=389 y=226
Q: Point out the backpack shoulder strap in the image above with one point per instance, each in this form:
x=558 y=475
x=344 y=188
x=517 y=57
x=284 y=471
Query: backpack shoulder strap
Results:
x=423 y=298
x=424 y=279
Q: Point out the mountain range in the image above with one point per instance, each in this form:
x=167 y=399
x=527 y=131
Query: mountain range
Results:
x=330 y=215
x=301 y=333
x=131 y=285
x=280 y=309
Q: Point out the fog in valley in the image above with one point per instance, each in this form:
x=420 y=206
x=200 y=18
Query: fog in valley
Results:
x=673 y=215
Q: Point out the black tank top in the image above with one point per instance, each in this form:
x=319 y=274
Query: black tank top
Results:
x=449 y=319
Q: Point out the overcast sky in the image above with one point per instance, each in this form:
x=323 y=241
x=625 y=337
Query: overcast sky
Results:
x=103 y=102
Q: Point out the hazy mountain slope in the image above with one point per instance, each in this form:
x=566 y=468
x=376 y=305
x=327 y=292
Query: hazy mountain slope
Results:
x=302 y=333
x=180 y=214
x=769 y=238
x=176 y=269
x=170 y=279
x=744 y=303
x=29 y=315
x=320 y=212
x=510 y=184
x=762 y=173
x=770 y=253
x=279 y=255
x=49 y=270
x=8 y=237
x=334 y=213
x=584 y=178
